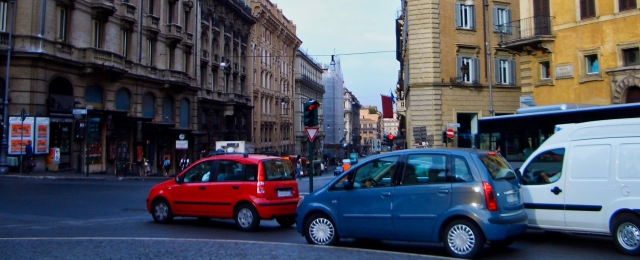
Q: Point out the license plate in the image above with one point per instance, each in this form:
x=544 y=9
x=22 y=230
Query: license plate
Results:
x=512 y=197
x=284 y=193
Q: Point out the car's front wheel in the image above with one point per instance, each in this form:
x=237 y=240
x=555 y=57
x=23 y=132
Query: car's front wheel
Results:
x=463 y=239
x=161 y=211
x=626 y=233
x=247 y=218
x=286 y=221
x=319 y=229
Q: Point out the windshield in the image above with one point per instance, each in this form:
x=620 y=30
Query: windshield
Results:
x=278 y=170
x=497 y=166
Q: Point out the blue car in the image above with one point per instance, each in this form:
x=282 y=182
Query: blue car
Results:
x=462 y=198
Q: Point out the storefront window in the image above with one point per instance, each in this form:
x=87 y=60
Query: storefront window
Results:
x=94 y=141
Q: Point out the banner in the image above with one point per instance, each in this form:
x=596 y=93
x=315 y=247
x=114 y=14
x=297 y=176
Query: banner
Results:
x=387 y=107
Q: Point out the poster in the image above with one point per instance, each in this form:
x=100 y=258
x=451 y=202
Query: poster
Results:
x=42 y=136
x=21 y=132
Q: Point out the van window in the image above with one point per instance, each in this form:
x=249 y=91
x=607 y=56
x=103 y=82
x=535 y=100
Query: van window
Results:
x=278 y=170
x=427 y=169
x=590 y=162
x=629 y=164
x=376 y=173
x=545 y=168
x=461 y=171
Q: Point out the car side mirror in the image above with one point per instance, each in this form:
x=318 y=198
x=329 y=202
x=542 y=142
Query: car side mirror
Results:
x=178 y=179
x=519 y=175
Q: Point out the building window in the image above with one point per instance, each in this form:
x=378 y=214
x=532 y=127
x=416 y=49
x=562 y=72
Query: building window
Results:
x=97 y=34
x=3 y=16
x=186 y=21
x=123 y=100
x=186 y=62
x=624 y=5
x=150 y=10
x=545 y=70
x=148 y=105
x=171 y=57
x=501 y=19
x=472 y=75
x=170 y=9
x=184 y=113
x=631 y=57
x=167 y=109
x=505 y=71
x=465 y=16
x=125 y=42
x=62 y=23
x=587 y=9
x=150 y=51
x=591 y=62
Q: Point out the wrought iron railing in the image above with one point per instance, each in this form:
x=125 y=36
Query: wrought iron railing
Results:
x=525 y=28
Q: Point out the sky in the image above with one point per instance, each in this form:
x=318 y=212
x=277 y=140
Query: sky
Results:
x=345 y=27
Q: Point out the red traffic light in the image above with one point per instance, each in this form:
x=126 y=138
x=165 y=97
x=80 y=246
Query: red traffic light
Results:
x=390 y=137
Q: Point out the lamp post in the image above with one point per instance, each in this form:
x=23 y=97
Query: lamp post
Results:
x=5 y=103
x=488 y=53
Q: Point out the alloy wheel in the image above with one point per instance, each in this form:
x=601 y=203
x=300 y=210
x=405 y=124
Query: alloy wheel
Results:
x=321 y=231
x=461 y=239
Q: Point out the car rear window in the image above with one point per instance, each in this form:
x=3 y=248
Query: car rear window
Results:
x=497 y=167
x=278 y=170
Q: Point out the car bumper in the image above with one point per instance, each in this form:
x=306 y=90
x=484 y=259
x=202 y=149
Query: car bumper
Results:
x=268 y=209
x=503 y=227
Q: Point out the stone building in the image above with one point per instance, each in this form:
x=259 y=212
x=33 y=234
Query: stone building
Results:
x=351 y=121
x=371 y=127
x=578 y=51
x=308 y=85
x=274 y=46
x=129 y=64
x=446 y=75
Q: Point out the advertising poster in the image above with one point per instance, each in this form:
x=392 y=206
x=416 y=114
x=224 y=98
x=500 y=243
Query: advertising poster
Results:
x=42 y=136
x=20 y=134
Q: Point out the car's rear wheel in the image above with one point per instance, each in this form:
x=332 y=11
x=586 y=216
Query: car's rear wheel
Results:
x=286 y=221
x=319 y=229
x=247 y=218
x=626 y=233
x=161 y=211
x=463 y=239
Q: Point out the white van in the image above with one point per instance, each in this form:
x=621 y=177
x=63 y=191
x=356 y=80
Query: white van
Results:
x=586 y=178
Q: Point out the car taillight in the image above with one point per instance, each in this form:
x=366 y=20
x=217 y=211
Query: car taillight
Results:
x=260 y=187
x=489 y=197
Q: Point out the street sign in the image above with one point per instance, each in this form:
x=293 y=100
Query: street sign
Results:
x=453 y=125
x=311 y=132
x=79 y=111
x=449 y=133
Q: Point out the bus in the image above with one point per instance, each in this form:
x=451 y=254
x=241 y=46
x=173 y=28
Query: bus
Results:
x=517 y=135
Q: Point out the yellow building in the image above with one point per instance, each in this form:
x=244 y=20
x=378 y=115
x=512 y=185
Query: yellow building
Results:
x=578 y=51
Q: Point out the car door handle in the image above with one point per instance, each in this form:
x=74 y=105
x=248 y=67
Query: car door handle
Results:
x=235 y=187
x=443 y=192
x=202 y=187
x=385 y=194
x=556 y=190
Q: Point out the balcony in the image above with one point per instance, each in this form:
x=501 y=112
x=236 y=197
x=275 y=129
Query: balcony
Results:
x=103 y=8
x=98 y=60
x=188 y=39
x=152 y=23
x=204 y=57
x=127 y=13
x=174 y=33
x=533 y=32
x=176 y=80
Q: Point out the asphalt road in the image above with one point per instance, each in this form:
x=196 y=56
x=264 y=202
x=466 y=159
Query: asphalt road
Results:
x=107 y=219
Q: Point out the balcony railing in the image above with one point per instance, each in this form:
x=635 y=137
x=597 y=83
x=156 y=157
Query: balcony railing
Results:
x=531 y=28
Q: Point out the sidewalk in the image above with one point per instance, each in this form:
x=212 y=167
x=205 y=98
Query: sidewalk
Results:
x=72 y=175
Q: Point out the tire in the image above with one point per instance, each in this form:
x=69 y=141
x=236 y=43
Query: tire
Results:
x=501 y=245
x=286 y=221
x=463 y=239
x=161 y=211
x=625 y=230
x=319 y=229
x=246 y=217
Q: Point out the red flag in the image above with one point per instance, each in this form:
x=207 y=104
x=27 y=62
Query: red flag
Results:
x=387 y=107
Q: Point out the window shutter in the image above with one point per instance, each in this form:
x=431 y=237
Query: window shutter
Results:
x=457 y=11
x=497 y=70
x=496 y=21
x=508 y=24
x=472 y=16
x=512 y=71
x=458 y=65
x=476 y=70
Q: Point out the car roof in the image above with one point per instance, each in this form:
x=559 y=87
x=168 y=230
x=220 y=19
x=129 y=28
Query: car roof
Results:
x=249 y=158
x=453 y=150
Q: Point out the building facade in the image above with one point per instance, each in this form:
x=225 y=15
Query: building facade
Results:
x=577 y=51
x=308 y=85
x=370 y=129
x=333 y=109
x=129 y=65
x=274 y=47
x=351 y=122
x=447 y=74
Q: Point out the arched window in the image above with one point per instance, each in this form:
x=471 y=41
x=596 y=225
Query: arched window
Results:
x=167 y=109
x=184 y=113
x=93 y=96
x=123 y=100
x=148 y=105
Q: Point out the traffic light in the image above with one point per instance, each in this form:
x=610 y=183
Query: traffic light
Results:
x=445 y=139
x=311 y=113
x=384 y=140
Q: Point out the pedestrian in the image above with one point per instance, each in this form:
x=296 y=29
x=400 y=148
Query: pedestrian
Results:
x=166 y=165
x=184 y=162
x=299 y=167
x=322 y=168
x=27 y=161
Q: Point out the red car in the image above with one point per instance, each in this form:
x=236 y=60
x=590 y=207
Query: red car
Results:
x=244 y=187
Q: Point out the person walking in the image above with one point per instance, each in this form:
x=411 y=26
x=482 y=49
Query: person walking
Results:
x=27 y=162
x=166 y=165
x=299 y=167
x=184 y=162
